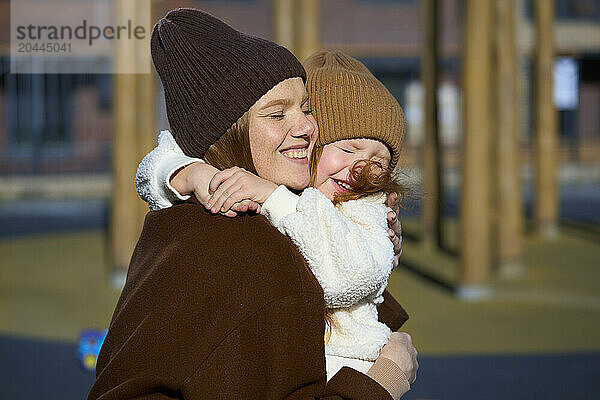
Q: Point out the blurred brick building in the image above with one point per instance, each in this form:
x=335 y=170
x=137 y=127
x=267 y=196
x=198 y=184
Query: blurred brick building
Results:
x=56 y=124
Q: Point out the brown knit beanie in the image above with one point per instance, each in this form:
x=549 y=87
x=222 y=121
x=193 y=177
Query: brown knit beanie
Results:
x=348 y=102
x=212 y=74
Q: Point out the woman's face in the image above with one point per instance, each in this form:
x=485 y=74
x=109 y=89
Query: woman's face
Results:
x=333 y=169
x=282 y=133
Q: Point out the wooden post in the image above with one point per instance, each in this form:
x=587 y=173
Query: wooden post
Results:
x=123 y=224
x=475 y=191
x=146 y=104
x=432 y=182
x=133 y=136
x=283 y=24
x=297 y=26
x=546 y=206
x=509 y=207
x=308 y=28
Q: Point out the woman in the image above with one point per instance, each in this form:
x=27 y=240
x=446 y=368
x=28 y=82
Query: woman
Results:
x=361 y=129
x=196 y=315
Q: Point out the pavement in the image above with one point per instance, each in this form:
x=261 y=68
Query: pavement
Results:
x=43 y=369
x=535 y=337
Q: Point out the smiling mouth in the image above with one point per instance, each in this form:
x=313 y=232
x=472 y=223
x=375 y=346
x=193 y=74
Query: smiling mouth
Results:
x=345 y=186
x=297 y=154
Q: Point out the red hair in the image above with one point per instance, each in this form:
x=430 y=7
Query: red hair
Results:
x=367 y=177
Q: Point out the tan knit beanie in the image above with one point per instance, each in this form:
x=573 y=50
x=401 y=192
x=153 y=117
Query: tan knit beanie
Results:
x=348 y=102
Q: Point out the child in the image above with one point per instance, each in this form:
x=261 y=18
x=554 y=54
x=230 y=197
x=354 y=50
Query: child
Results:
x=339 y=225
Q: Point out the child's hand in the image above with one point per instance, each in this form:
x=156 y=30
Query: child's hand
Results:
x=243 y=206
x=194 y=179
x=395 y=231
x=234 y=189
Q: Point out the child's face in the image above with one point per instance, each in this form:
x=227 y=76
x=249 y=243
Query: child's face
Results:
x=333 y=170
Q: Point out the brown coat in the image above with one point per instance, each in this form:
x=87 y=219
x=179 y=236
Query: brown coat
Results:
x=219 y=308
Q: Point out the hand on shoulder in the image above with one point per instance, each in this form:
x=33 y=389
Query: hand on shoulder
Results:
x=235 y=189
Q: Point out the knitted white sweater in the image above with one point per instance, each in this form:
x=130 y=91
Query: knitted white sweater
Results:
x=347 y=248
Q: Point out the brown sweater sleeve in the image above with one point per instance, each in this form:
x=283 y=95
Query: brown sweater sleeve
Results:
x=391 y=312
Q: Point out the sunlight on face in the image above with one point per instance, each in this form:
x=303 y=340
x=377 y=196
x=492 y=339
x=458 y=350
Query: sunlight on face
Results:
x=333 y=170
x=282 y=134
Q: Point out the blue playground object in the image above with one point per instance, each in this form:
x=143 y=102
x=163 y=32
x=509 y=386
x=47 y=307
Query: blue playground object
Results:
x=90 y=342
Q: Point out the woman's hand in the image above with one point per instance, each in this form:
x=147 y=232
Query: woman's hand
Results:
x=396 y=367
x=236 y=189
x=395 y=231
x=401 y=351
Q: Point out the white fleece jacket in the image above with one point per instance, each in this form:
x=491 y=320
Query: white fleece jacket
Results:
x=152 y=179
x=347 y=248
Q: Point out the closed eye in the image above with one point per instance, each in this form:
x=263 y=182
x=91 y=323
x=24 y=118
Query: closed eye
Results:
x=346 y=150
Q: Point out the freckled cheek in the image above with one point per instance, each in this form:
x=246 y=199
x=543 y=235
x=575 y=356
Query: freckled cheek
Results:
x=264 y=158
x=268 y=145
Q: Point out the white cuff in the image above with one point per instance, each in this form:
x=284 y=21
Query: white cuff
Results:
x=165 y=171
x=280 y=203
